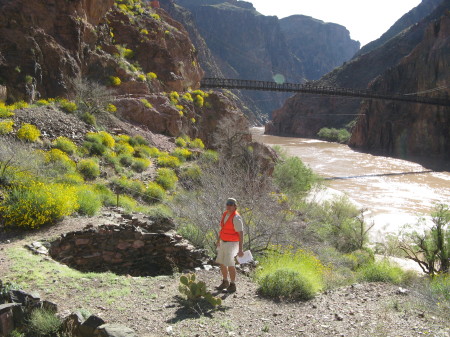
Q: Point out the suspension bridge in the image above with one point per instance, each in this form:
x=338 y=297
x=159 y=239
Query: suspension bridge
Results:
x=307 y=88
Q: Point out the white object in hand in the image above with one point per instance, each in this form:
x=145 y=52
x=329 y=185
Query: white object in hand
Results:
x=246 y=258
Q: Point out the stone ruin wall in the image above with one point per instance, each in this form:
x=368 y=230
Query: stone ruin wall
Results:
x=137 y=248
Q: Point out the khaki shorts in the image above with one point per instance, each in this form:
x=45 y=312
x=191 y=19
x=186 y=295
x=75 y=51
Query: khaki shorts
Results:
x=226 y=252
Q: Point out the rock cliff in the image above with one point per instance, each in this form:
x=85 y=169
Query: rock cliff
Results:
x=406 y=130
x=248 y=45
x=320 y=46
x=304 y=115
x=45 y=45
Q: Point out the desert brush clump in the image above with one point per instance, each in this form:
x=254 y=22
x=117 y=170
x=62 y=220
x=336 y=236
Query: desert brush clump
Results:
x=166 y=160
x=36 y=204
x=140 y=164
x=182 y=154
x=29 y=133
x=290 y=274
x=6 y=126
x=64 y=144
x=166 y=178
x=196 y=290
x=60 y=161
x=154 y=193
x=89 y=168
x=89 y=200
x=44 y=322
x=68 y=106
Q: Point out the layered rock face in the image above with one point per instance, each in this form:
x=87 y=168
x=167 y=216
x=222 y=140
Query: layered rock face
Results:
x=248 y=45
x=319 y=45
x=406 y=130
x=45 y=45
x=304 y=115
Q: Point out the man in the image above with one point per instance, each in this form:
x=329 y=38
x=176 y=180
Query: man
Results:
x=229 y=243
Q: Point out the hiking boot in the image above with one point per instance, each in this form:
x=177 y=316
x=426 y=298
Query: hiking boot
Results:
x=225 y=284
x=231 y=288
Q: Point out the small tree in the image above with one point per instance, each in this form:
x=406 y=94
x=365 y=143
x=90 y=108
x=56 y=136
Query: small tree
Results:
x=431 y=248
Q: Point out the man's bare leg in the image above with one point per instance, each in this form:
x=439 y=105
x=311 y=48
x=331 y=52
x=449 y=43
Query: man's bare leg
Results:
x=224 y=271
x=232 y=272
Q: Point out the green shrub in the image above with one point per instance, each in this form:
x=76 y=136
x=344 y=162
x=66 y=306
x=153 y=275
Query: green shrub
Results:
x=126 y=160
x=166 y=178
x=94 y=148
x=68 y=106
x=36 y=204
x=64 y=144
x=209 y=156
x=124 y=148
x=382 y=271
x=89 y=168
x=29 y=133
x=154 y=193
x=334 y=135
x=101 y=137
x=197 y=143
x=143 y=151
x=6 y=126
x=182 y=154
x=180 y=142
x=440 y=286
x=153 y=152
x=89 y=200
x=137 y=141
x=286 y=283
x=128 y=186
x=168 y=161
x=60 y=161
x=89 y=118
x=293 y=275
x=140 y=164
x=293 y=177
x=191 y=175
x=43 y=323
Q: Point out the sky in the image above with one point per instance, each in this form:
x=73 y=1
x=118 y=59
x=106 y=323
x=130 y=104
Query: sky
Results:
x=366 y=20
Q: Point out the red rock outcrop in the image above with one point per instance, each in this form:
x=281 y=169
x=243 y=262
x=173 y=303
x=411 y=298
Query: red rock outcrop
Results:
x=46 y=44
x=406 y=130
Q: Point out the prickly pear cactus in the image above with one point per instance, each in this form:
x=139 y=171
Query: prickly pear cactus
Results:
x=196 y=290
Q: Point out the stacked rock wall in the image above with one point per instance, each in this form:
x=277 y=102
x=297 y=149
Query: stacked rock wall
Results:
x=138 y=248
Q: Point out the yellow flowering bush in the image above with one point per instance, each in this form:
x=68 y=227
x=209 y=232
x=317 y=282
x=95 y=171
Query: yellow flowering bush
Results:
x=101 y=137
x=154 y=193
x=29 y=133
x=146 y=103
x=64 y=144
x=181 y=142
x=140 y=164
x=68 y=106
x=115 y=81
x=89 y=168
x=61 y=160
x=111 y=108
x=38 y=204
x=174 y=97
x=6 y=126
x=182 y=154
x=166 y=178
x=166 y=160
x=197 y=143
x=151 y=76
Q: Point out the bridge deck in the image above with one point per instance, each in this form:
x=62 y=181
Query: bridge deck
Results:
x=225 y=83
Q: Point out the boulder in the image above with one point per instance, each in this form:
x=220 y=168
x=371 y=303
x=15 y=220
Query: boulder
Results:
x=114 y=330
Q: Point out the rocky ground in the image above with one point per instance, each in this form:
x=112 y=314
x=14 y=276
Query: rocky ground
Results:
x=152 y=307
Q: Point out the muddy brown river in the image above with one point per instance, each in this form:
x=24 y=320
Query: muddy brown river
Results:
x=395 y=192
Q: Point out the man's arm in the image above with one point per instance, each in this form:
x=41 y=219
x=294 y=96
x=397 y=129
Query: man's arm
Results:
x=241 y=244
